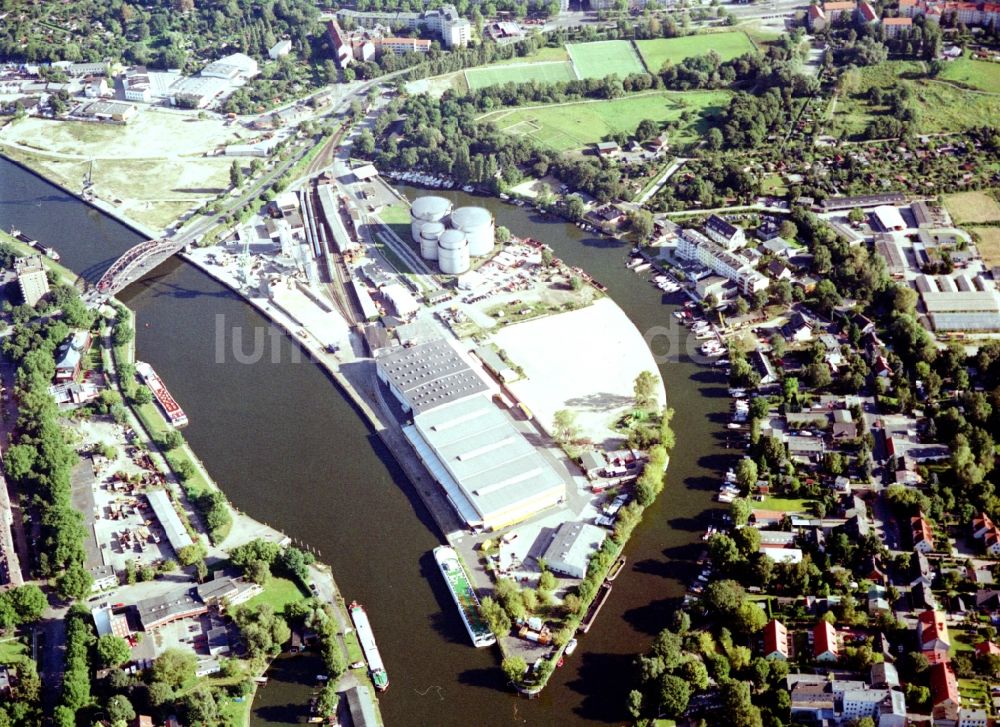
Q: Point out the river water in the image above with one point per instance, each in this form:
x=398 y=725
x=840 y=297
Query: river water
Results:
x=289 y=449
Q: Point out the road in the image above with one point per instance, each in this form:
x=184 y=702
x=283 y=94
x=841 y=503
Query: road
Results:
x=674 y=166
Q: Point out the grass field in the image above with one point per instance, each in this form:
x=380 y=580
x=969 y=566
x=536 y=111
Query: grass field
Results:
x=278 y=593
x=988 y=244
x=941 y=106
x=983 y=75
x=785 y=504
x=563 y=127
x=604 y=58
x=12 y=650
x=544 y=55
x=966 y=207
x=728 y=45
x=542 y=72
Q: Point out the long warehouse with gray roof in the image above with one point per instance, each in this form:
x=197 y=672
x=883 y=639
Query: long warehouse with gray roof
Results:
x=493 y=476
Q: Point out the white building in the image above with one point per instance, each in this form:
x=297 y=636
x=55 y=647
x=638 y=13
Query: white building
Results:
x=726 y=234
x=571 y=547
x=31 y=278
x=695 y=246
x=403 y=303
x=177 y=534
x=234 y=67
x=427 y=376
x=279 y=49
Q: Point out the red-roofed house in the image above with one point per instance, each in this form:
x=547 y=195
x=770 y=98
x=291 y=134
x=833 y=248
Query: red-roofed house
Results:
x=944 y=692
x=894 y=26
x=867 y=12
x=981 y=524
x=776 y=640
x=992 y=541
x=932 y=633
x=825 y=647
x=987 y=647
x=910 y=8
x=341 y=49
x=816 y=18
x=923 y=536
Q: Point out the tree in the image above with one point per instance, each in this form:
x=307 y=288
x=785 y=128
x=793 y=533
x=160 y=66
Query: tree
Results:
x=175 y=667
x=514 y=668
x=564 y=428
x=235 y=175
x=75 y=582
x=634 y=704
x=695 y=673
x=28 y=602
x=496 y=617
x=724 y=596
x=737 y=706
x=789 y=230
x=674 y=695
x=642 y=224
x=112 y=651
x=200 y=706
x=669 y=648
x=746 y=473
x=119 y=709
x=749 y=618
x=326 y=705
x=645 y=387
x=667 y=438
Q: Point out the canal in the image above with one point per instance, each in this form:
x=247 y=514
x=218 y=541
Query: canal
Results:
x=289 y=449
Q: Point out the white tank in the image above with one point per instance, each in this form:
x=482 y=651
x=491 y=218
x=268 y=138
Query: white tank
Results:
x=427 y=209
x=453 y=252
x=477 y=224
x=430 y=233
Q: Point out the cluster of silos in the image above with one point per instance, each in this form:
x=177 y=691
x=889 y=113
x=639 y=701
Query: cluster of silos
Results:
x=471 y=233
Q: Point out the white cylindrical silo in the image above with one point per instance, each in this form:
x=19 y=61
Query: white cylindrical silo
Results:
x=477 y=224
x=430 y=233
x=427 y=209
x=453 y=252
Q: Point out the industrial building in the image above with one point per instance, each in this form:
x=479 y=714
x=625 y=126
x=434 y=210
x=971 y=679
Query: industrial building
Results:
x=428 y=375
x=953 y=310
x=31 y=279
x=491 y=474
x=571 y=547
x=177 y=534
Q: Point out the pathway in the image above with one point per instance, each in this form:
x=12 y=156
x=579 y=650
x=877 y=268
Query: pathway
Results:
x=676 y=164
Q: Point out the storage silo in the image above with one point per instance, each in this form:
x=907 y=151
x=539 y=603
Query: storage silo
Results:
x=477 y=224
x=427 y=209
x=453 y=252
x=430 y=233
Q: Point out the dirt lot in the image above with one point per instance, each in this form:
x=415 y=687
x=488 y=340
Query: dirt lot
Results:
x=966 y=207
x=153 y=168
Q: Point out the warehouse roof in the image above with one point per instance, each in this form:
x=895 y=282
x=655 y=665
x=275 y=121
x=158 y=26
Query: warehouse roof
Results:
x=572 y=546
x=177 y=535
x=430 y=375
x=962 y=302
x=491 y=461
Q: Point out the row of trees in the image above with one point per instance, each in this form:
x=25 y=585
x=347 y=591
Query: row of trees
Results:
x=40 y=461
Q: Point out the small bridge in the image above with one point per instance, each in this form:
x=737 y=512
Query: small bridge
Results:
x=136 y=262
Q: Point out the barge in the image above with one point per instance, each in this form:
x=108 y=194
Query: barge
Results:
x=376 y=669
x=464 y=596
x=175 y=415
x=595 y=608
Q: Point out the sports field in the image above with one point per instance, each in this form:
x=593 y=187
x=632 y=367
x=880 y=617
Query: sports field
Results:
x=728 y=45
x=604 y=58
x=525 y=73
x=989 y=244
x=983 y=75
x=563 y=127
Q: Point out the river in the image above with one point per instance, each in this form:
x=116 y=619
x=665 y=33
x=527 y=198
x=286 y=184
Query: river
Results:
x=288 y=449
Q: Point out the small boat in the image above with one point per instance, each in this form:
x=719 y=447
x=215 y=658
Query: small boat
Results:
x=642 y=267
x=571 y=647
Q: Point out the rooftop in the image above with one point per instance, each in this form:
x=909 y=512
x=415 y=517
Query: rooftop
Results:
x=430 y=375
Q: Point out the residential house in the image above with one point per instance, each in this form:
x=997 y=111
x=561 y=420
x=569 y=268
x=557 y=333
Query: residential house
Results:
x=761 y=363
x=895 y=26
x=776 y=641
x=608 y=148
x=923 y=536
x=884 y=676
x=807 y=450
x=945 y=696
x=867 y=13
x=932 y=635
x=920 y=570
x=973 y=718
x=778 y=247
x=778 y=270
x=878 y=600
x=796 y=329
x=988 y=600
x=991 y=541
x=825 y=646
x=843 y=426
x=981 y=524
x=922 y=598
x=984 y=648
x=816 y=18
x=70 y=356
x=728 y=235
